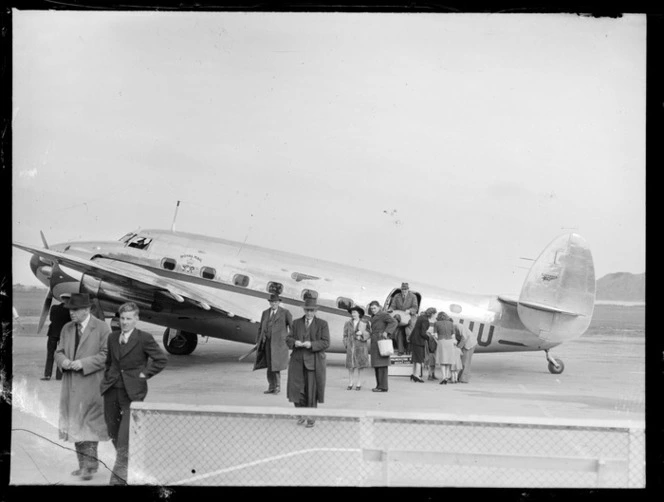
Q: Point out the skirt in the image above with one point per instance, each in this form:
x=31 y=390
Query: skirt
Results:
x=417 y=353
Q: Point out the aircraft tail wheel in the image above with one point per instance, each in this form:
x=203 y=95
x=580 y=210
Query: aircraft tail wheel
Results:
x=556 y=370
x=181 y=344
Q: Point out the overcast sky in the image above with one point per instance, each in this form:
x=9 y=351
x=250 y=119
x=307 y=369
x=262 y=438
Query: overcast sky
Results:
x=437 y=147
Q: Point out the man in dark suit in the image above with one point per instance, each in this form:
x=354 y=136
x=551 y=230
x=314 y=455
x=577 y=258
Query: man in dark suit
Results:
x=59 y=316
x=133 y=357
x=272 y=351
x=309 y=338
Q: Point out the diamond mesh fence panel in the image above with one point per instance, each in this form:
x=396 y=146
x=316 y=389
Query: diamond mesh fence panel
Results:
x=238 y=446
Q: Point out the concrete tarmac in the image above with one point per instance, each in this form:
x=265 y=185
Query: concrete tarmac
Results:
x=604 y=378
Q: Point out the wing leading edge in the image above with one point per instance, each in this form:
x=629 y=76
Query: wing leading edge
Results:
x=119 y=272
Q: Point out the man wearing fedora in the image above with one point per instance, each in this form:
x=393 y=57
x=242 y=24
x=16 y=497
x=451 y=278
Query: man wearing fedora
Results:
x=405 y=301
x=272 y=351
x=81 y=355
x=309 y=338
x=133 y=357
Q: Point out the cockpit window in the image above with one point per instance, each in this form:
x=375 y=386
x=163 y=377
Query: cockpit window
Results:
x=139 y=242
x=126 y=237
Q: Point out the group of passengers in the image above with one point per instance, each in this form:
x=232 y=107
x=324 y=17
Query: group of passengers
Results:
x=433 y=338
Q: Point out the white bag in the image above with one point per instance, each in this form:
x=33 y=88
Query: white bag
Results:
x=385 y=347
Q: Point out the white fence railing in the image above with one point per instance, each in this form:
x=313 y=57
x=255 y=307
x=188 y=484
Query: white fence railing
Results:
x=257 y=446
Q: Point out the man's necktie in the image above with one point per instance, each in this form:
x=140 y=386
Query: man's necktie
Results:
x=123 y=339
x=78 y=337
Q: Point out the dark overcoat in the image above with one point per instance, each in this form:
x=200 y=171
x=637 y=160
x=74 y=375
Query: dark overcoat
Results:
x=141 y=354
x=419 y=334
x=277 y=328
x=311 y=359
x=81 y=404
x=381 y=323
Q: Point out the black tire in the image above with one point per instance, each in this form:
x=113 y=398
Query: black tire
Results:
x=181 y=345
x=559 y=369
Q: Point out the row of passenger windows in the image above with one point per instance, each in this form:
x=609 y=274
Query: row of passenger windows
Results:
x=242 y=281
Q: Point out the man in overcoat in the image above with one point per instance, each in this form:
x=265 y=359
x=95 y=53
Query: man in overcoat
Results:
x=382 y=326
x=407 y=302
x=81 y=354
x=272 y=351
x=133 y=357
x=58 y=317
x=309 y=338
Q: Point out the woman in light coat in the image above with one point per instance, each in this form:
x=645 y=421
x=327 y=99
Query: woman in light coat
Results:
x=356 y=341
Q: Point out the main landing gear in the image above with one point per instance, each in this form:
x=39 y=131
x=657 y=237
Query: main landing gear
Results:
x=556 y=366
x=179 y=343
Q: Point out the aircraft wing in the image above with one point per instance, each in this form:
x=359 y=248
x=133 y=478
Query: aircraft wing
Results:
x=127 y=274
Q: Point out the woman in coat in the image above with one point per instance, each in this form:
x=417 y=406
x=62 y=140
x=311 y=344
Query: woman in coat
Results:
x=356 y=341
x=418 y=340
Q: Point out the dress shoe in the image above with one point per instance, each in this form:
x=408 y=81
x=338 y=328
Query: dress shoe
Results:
x=300 y=421
x=45 y=378
x=416 y=379
x=277 y=391
x=79 y=472
x=443 y=382
x=379 y=390
x=86 y=475
x=310 y=424
x=359 y=387
x=269 y=391
x=350 y=387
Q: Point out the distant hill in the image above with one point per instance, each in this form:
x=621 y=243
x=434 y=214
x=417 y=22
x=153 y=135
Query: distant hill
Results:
x=622 y=286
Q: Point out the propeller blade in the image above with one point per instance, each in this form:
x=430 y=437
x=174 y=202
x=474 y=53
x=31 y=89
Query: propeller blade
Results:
x=43 y=239
x=45 y=310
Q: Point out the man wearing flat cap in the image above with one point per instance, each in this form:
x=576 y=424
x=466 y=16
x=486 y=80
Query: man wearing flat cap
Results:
x=309 y=338
x=405 y=301
x=81 y=355
x=272 y=351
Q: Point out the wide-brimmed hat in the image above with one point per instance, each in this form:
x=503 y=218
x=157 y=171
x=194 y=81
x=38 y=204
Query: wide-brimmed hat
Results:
x=404 y=285
x=274 y=298
x=359 y=310
x=310 y=303
x=78 y=301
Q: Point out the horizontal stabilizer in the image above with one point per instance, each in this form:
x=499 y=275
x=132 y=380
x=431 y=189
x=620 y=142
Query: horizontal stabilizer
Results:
x=537 y=306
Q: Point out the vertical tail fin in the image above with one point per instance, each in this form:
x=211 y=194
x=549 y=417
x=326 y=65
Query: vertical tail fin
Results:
x=558 y=296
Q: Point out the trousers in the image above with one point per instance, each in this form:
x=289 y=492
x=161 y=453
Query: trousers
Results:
x=381 y=377
x=116 y=414
x=86 y=452
x=308 y=395
x=466 y=358
x=51 y=345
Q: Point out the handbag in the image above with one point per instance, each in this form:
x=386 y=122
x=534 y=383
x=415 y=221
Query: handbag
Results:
x=433 y=343
x=385 y=347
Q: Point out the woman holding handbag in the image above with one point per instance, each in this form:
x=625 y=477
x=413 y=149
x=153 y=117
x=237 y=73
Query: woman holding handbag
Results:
x=356 y=341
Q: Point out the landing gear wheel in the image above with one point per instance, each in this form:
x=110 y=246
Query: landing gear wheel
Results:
x=182 y=344
x=559 y=369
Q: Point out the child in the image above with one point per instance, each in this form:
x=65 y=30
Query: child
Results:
x=456 y=366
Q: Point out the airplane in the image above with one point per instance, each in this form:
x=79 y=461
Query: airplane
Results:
x=196 y=285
